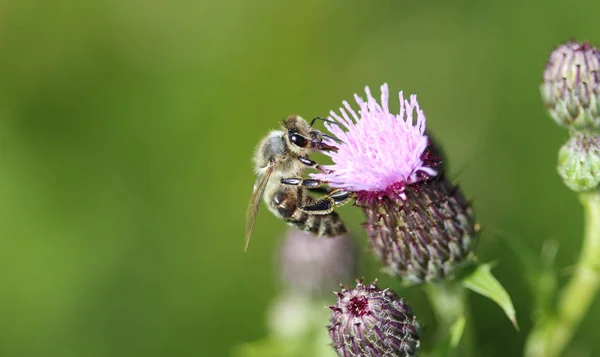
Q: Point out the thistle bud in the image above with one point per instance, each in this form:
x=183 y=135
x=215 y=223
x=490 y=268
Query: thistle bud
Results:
x=424 y=236
x=314 y=266
x=570 y=89
x=370 y=322
x=579 y=161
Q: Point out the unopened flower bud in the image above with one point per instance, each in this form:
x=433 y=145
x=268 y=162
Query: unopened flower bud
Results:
x=579 y=161
x=315 y=266
x=570 y=89
x=370 y=322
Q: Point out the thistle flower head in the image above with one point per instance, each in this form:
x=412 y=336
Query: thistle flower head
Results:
x=313 y=266
x=370 y=322
x=570 y=89
x=420 y=226
x=381 y=153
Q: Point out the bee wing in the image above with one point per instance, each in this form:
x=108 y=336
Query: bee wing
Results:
x=257 y=193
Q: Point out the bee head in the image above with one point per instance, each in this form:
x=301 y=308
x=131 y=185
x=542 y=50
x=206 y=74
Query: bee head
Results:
x=300 y=137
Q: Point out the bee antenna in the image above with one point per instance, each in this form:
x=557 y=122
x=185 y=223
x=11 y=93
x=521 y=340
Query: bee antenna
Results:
x=322 y=119
x=332 y=138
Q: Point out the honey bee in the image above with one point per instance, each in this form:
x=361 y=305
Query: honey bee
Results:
x=279 y=161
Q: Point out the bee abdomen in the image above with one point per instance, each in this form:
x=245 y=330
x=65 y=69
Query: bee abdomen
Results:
x=284 y=204
x=329 y=225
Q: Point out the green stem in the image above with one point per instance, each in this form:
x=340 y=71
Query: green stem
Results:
x=449 y=303
x=550 y=337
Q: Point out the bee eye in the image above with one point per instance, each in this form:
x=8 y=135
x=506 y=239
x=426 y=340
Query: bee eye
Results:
x=298 y=140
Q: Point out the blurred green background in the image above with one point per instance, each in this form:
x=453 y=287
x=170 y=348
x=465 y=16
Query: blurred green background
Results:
x=127 y=129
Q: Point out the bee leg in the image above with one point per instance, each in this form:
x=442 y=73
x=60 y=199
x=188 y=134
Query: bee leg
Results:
x=308 y=183
x=313 y=164
x=323 y=190
x=313 y=206
x=325 y=205
x=341 y=197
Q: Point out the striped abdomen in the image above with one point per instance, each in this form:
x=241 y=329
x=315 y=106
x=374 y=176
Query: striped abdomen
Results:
x=285 y=204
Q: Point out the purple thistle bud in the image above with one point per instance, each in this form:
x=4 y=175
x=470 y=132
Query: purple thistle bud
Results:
x=570 y=90
x=370 y=322
x=314 y=266
x=420 y=226
x=426 y=236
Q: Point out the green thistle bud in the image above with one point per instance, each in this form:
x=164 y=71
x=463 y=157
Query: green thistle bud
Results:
x=579 y=161
x=570 y=89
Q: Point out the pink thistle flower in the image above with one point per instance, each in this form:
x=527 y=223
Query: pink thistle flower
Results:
x=381 y=153
x=419 y=224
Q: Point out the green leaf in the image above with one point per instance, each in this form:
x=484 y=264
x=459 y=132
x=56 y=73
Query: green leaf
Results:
x=481 y=281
